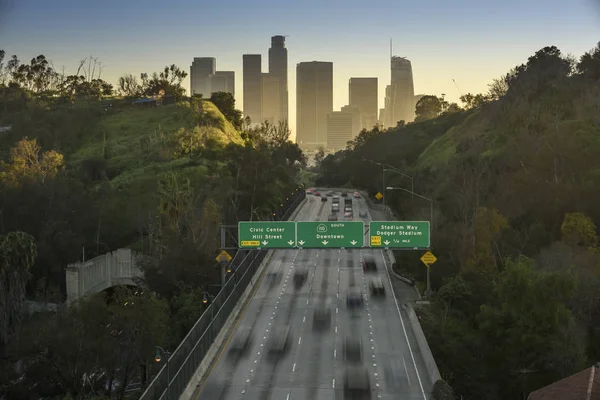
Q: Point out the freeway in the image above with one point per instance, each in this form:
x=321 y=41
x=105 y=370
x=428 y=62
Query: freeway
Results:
x=313 y=366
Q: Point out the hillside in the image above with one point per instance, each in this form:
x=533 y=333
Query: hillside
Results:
x=511 y=187
x=142 y=143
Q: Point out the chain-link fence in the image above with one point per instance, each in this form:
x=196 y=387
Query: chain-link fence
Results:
x=173 y=378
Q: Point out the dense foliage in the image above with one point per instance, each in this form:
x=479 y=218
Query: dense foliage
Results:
x=82 y=174
x=514 y=177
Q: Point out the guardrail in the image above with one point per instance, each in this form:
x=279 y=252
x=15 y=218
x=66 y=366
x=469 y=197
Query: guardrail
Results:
x=184 y=361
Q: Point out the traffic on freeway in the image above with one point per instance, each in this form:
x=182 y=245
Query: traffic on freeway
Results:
x=322 y=324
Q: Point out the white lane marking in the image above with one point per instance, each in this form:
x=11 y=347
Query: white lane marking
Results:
x=333 y=384
x=406 y=369
x=300 y=340
x=287 y=397
x=412 y=356
x=294 y=368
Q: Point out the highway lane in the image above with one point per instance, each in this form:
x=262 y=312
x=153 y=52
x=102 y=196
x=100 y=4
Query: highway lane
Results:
x=313 y=366
x=274 y=302
x=397 y=366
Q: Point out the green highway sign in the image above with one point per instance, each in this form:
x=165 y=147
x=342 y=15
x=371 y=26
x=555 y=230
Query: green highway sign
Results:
x=266 y=234
x=330 y=234
x=400 y=234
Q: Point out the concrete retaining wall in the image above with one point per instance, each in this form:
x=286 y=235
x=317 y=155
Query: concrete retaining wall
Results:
x=432 y=369
x=221 y=339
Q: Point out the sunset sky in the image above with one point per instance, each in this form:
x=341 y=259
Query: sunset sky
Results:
x=472 y=41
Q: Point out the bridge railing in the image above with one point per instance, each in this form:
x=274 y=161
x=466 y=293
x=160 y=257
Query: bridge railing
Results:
x=186 y=359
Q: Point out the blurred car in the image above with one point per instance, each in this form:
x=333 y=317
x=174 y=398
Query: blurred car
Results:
x=369 y=264
x=357 y=385
x=329 y=194
x=348 y=214
x=317 y=194
x=336 y=199
x=241 y=342
x=300 y=276
x=344 y=194
x=322 y=317
x=377 y=287
x=323 y=198
x=362 y=214
x=332 y=217
x=309 y=191
x=335 y=208
x=274 y=276
x=279 y=341
x=354 y=299
x=356 y=195
x=352 y=349
x=348 y=209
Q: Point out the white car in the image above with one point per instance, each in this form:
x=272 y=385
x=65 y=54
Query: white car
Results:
x=356 y=195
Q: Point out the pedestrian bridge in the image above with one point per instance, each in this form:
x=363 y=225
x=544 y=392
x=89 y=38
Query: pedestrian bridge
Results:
x=117 y=268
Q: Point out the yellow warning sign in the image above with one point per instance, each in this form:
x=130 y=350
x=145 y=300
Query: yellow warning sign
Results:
x=378 y=196
x=428 y=258
x=375 y=240
x=250 y=243
x=223 y=257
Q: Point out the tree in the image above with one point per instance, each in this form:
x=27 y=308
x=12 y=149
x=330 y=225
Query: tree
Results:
x=94 y=346
x=28 y=164
x=579 y=230
x=129 y=86
x=589 y=64
x=473 y=101
x=38 y=76
x=363 y=138
x=428 y=107
x=3 y=72
x=547 y=65
x=168 y=81
x=452 y=108
x=268 y=135
x=17 y=255
x=496 y=90
x=225 y=102
x=319 y=157
x=528 y=326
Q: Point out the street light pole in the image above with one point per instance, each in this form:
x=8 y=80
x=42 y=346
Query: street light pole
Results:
x=428 y=290
x=158 y=359
x=384 y=195
x=387 y=167
x=412 y=181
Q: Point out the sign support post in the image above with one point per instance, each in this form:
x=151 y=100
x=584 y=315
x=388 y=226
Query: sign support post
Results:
x=223 y=259
x=428 y=259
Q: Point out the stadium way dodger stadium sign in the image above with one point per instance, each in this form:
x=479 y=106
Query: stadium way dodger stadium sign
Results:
x=399 y=234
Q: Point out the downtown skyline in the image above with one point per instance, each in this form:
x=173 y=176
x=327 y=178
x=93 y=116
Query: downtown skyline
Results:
x=437 y=37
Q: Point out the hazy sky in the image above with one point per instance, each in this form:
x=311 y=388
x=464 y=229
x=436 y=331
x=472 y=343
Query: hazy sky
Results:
x=472 y=41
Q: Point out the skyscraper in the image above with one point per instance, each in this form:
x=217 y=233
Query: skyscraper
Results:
x=278 y=68
x=342 y=126
x=200 y=71
x=403 y=92
x=205 y=79
x=314 y=100
x=252 y=87
x=270 y=99
x=222 y=81
x=363 y=94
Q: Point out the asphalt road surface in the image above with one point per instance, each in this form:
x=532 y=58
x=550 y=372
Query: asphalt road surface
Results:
x=312 y=367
